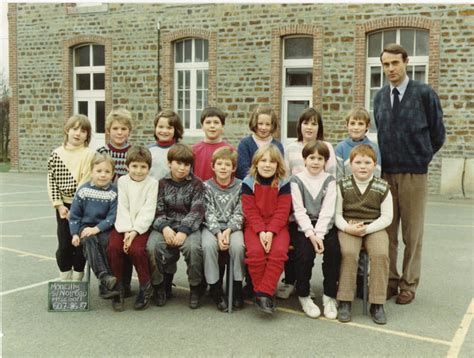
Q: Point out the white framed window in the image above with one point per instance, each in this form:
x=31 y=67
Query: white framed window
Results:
x=89 y=88
x=414 y=41
x=191 y=85
x=297 y=83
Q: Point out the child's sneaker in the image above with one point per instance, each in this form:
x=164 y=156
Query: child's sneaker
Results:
x=285 y=291
x=330 y=307
x=309 y=307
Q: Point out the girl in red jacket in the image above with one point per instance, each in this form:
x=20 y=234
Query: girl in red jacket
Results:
x=266 y=203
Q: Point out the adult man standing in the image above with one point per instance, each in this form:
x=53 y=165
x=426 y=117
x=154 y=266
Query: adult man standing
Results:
x=410 y=131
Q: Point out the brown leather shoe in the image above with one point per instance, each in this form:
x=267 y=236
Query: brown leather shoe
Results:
x=391 y=291
x=405 y=297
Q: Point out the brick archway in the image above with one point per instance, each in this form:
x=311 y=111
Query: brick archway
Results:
x=434 y=28
x=67 y=64
x=168 y=64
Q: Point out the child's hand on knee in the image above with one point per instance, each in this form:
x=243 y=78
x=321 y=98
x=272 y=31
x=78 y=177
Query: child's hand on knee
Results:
x=317 y=243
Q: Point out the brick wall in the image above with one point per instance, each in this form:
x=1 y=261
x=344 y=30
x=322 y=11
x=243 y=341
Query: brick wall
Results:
x=244 y=71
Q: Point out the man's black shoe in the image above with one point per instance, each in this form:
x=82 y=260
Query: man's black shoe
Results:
x=378 y=314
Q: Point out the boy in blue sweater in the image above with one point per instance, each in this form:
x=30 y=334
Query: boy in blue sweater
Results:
x=357 y=123
x=92 y=216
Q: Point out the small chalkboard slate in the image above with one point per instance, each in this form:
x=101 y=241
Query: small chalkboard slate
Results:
x=68 y=296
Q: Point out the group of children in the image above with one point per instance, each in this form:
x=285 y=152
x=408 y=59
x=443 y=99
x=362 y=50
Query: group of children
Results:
x=266 y=206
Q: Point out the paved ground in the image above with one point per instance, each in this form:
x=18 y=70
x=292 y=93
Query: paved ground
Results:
x=436 y=324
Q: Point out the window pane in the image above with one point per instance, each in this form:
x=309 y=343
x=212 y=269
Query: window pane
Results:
x=83 y=81
x=298 y=47
x=199 y=79
x=198 y=47
x=83 y=107
x=294 y=110
x=100 y=117
x=99 y=81
x=187 y=99
x=198 y=117
x=98 y=55
x=389 y=37
x=420 y=73
x=375 y=77
x=205 y=50
x=299 y=77
x=407 y=40
x=186 y=116
x=188 y=50
x=180 y=100
x=422 y=43
x=206 y=85
x=180 y=80
x=82 y=56
x=375 y=44
x=179 y=52
x=410 y=71
x=373 y=92
x=187 y=79
x=198 y=99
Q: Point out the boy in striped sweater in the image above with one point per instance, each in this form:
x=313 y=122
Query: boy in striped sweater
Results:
x=223 y=226
x=118 y=126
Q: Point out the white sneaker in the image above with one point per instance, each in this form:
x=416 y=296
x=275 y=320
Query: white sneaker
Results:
x=285 y=291
x=330 y=307
x=309 y=307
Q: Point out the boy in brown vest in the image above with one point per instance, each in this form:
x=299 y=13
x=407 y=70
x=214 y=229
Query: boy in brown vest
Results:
x=363 y=211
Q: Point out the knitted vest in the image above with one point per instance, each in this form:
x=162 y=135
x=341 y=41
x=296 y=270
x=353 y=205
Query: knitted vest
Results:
x=362 y=207
x=312 y=206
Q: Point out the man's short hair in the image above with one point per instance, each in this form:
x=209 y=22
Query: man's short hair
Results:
x=213 y=112
x=395 y=49
x=138 y=153
x=182 y=153
x=225 y=153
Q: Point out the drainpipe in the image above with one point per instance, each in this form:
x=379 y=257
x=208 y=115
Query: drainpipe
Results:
x=158 y=103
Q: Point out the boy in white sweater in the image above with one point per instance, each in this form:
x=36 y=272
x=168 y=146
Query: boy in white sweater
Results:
x=137 y=194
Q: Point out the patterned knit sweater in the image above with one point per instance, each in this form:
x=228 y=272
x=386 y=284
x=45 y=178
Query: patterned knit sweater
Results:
x=409 y=141
x=223 y=206
x=93 y=206
x=67 y=169
x=367 y=201
x=180 y=205
x=119 y=155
